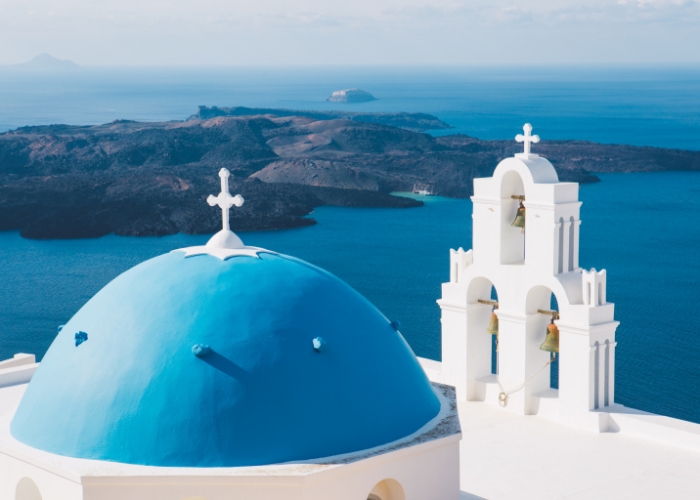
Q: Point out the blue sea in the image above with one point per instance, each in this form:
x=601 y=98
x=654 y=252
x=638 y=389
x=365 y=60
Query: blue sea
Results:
x=642 y=228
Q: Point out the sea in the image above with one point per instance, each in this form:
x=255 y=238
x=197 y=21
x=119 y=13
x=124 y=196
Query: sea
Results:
x=641 y=227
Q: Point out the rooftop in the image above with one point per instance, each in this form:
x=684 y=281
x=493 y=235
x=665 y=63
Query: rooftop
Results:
x=504 y=455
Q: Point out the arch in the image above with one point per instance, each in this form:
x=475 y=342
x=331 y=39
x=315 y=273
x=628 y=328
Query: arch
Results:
x=481 y=287
x=540 y=297
x=512 y=184
x=27 y=490
x=537 y=170
x=387 y=489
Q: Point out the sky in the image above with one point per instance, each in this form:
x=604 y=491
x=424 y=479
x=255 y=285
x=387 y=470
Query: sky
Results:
x=351 y=32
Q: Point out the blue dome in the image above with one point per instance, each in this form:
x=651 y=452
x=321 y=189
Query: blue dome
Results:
x=264 y=392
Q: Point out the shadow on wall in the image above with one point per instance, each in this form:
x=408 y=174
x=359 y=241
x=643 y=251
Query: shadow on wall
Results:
x=27 y=490
x=463 y=495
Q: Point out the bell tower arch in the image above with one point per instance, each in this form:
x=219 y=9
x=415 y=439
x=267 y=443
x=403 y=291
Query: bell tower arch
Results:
x=527 y=266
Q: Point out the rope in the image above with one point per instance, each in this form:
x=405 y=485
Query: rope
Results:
x=503 y=395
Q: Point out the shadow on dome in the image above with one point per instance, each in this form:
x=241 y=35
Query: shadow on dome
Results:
x=225 y=365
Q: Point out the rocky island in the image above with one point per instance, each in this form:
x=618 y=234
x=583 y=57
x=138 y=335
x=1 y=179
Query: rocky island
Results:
x=46 y=62
x=350 y=96
x=138 y=179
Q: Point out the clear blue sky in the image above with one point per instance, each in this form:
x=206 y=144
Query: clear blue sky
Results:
x=266 y=32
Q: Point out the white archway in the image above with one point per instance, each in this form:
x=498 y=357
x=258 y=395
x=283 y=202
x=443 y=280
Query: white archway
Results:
x=27 y=490
x=387 y=489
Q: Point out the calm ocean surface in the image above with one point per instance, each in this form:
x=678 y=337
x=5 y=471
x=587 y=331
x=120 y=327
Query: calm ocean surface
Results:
x=642 y=228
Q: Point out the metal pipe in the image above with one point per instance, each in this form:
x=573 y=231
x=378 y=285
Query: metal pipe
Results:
x=549 y=313
x=517 y=197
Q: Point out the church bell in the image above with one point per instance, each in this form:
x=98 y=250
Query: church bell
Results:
x=493 y=324
x=551 y=342
x=520 y=217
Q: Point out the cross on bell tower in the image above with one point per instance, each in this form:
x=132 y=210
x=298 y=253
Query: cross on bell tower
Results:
x=527 y=139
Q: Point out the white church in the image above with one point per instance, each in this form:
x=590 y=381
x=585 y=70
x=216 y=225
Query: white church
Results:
x=233 y=372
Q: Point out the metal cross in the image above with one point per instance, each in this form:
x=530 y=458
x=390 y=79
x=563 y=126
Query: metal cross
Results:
x=527 y=139
x=224 y=199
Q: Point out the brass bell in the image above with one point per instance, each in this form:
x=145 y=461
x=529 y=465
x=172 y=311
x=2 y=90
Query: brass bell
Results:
x=551 y=342
x=493 y=324
x=520 y=217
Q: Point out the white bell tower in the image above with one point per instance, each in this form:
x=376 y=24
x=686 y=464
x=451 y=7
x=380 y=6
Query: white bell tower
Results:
x=526 y=267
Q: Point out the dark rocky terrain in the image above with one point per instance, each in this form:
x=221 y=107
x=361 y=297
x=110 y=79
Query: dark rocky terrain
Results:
x=133 y=178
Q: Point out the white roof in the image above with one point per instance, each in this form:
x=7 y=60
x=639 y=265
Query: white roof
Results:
x=509 y=456
x=504 y=455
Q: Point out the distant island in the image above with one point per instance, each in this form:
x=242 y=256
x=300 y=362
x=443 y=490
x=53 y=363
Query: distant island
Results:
x=416 y=122
x=142 y=179
x=350 y=96
x=48 y=62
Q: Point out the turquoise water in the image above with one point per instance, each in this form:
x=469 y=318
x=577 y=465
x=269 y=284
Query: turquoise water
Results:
x=642 y=228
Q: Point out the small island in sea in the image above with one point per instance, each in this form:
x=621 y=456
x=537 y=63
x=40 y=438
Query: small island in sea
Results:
x=350 y=96
x=150 y=178
x=47 y=62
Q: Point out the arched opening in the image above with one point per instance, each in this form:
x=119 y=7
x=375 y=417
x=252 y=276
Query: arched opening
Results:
x=388 y=489
x=512 y=238
x=27 y=490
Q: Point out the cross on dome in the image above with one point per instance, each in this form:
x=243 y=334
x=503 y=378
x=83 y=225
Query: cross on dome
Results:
x=224 y=244
x=527 y=139
x=224 y=199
